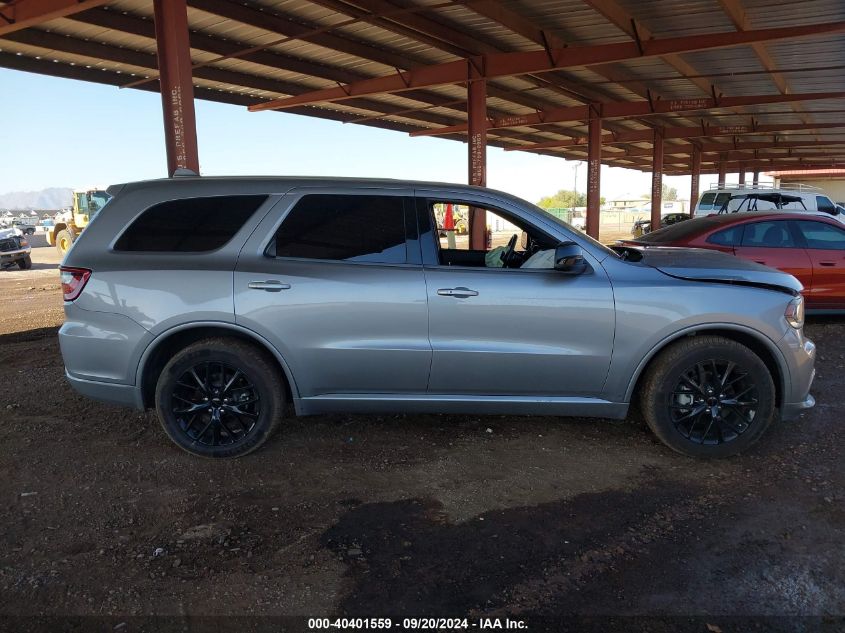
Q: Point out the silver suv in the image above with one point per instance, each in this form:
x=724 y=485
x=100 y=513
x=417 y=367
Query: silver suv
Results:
x=220 y=301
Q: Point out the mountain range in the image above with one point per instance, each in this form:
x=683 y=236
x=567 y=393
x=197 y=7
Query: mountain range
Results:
x=47 y=199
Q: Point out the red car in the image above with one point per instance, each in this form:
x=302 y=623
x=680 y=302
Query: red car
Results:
x=808 y=245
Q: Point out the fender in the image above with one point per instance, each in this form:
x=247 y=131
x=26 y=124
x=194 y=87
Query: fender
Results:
x=661 y=345
x=151 y=347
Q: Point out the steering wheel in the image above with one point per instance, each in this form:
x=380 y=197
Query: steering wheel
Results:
x=507 y=254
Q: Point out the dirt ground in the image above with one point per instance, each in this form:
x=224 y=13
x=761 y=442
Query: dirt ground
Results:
x=536 y=518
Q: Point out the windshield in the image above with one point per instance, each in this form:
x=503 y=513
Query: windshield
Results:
x=91 y=202
x=556 y=220
x=679 y=231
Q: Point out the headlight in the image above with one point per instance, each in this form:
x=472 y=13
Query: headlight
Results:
x=794 y=312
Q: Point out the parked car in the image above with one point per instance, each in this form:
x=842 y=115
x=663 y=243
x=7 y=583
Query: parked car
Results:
x=14 y=249
x=810 y=246
x=643 y=225
x=218 y=301
x=787 y=198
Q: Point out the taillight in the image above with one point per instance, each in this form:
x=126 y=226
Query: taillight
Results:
x=73 y=281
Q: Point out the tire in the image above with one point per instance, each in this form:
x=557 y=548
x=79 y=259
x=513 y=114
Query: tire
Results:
x=25 y=263
x=30 y=231
x=686 y=407
x=64 y=240
x=223 y=429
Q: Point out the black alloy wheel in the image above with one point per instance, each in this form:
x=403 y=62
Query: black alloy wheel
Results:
x=708 y=396
x=220 y=397
x=215 y=404
x=714 y=402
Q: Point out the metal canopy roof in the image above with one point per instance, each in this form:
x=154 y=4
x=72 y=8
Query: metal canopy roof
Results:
x=753 y=103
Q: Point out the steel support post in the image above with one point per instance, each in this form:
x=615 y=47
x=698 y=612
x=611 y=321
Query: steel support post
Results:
x=742 y=174
x=657 y=179
x=477 y=149
x=695 y=178
x=723 y=167
x=594 y=174
x=756 y=182
x=177 y=90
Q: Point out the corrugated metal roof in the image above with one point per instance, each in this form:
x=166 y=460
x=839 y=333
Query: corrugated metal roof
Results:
x=304 y=45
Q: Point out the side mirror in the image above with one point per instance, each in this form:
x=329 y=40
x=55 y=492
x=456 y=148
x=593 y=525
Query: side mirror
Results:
x=569 y=259
x=838 y=210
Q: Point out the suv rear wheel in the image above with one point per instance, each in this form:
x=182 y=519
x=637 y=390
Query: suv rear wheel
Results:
x=220 y=397
x=708 y=396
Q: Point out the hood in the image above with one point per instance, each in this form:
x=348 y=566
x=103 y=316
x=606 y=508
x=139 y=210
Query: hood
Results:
x=700 y=264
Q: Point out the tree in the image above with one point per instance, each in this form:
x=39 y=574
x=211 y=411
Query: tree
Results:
x=565 y=198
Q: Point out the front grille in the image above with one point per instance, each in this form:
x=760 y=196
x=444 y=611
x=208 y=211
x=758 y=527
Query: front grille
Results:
x=9 y=244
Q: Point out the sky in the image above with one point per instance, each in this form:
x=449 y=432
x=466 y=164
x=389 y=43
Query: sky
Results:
x=68 y=133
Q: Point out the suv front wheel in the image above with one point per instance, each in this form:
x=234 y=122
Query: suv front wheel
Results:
x=220 y=397
x=708 y=396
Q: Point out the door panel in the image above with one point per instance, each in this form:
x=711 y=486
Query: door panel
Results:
x=502 y=331
x=342 y=327
x=794 y=261
x=775 y=243
x=825 y=243
x=828 y=289
x=524 y=332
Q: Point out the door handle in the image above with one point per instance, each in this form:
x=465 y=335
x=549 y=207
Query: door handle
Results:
x=271 y=285
x=827 y=263
x=459 y=293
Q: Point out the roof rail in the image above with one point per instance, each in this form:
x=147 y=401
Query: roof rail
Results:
x=766 y=187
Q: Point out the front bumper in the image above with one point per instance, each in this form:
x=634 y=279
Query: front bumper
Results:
x=801 y=358
x=9 y=257
x=794 y=409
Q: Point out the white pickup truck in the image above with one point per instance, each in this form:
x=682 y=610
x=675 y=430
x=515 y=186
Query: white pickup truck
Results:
x=14 y=249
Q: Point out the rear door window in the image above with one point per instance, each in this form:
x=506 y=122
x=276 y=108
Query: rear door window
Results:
x=189 y=225
x=768 y=235
x=350 y=228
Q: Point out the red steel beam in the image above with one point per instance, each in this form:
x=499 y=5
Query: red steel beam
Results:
x=695 y=173
x=624 y=109
x=495 y=65
x=764 y=166
x=177 y=90
x=709 y=148
x=656 y=179
x=477 y=156
x=594 y=176
x=26 y=13
x=681 y=132
x=723 y=171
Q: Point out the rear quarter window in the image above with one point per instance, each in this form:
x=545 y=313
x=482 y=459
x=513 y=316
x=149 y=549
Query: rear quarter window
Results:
x=190 y=225
x=727 y=237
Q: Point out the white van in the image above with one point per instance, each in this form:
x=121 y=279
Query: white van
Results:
x=764 y=198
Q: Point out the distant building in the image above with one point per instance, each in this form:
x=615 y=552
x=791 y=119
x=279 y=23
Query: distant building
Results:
x=629 y=202
x=831 y=181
